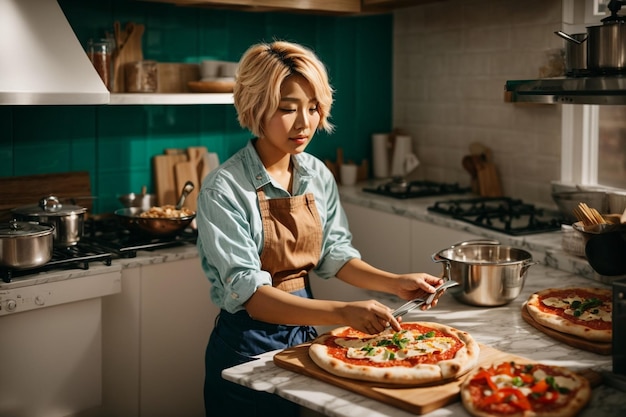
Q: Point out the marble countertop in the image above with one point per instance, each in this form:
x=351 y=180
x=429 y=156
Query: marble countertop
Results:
x=500 y=327
x=547 y=248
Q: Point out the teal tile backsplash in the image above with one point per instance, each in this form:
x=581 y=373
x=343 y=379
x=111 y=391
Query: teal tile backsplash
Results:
x=116 y=143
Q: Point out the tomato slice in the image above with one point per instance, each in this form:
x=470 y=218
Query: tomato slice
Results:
x=506 y=368
x=483 y=374
x=518 y=398
x=512 y=396
x=540 y=387
x=548 y=397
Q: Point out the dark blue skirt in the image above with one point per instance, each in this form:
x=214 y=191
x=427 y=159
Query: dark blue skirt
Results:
x=234 y=340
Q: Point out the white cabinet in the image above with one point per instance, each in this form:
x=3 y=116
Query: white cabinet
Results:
x=427 y=239
x=397 y=243
x=155 y=333
x=383 y=239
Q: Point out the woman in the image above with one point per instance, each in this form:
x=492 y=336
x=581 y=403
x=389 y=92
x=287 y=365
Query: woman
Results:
x=267 y=217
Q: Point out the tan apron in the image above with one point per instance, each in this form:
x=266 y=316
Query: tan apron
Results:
x=292 y=239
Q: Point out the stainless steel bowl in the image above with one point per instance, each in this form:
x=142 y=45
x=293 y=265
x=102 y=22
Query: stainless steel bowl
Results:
x=143 y=201
x=157 y=226
x=488 y=274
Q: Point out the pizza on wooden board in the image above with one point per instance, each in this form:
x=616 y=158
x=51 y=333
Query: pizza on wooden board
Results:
x=422 y=353
x=524 y=390
x=582 y=312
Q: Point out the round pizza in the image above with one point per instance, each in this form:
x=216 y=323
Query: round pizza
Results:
x=422 y=353
x=524 y=390
x=582 y=312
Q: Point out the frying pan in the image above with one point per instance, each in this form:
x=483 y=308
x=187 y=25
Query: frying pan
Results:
x=157 y=226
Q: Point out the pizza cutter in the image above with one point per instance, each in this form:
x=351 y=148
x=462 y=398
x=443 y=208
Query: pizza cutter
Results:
x=417 y=302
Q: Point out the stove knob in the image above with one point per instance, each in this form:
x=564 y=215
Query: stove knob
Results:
x=39 y=300
x=11 y=305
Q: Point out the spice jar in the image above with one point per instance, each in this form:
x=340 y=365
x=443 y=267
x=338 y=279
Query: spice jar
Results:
x=141 y=77
x=100 y=53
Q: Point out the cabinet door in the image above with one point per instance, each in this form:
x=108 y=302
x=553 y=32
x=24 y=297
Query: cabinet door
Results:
x=383 y=239
x=428 y=239
x=177 y=317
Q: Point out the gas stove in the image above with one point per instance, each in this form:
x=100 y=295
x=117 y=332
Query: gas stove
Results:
x=501 y=214
x=103 y=240
x=402 y=189
x=106 y=234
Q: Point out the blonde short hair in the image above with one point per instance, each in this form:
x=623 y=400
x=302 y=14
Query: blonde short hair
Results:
x=260 y=74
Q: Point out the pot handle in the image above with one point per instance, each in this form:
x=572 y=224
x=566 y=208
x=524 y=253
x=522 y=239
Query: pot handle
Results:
x=50 y=204
x=568 y=38
x=525 y=267
x=475 y=242
x=446 y=265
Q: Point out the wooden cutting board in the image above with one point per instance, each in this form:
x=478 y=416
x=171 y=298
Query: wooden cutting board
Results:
x=70 y=187
x=166 y=189
x=577 y=342
x=417 y=400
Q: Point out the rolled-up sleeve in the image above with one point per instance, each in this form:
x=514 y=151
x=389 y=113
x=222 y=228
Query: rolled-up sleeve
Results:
x=228 y=249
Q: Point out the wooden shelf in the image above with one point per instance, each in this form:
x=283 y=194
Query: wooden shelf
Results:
x=181 y=99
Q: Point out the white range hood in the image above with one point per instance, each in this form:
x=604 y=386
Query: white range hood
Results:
x=41 y=60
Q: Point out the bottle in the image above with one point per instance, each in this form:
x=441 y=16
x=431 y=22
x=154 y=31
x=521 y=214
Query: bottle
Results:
x=100 y=54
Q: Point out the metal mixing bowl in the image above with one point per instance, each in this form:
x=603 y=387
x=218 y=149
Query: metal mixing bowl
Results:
x=489 y=275
x=143 y=201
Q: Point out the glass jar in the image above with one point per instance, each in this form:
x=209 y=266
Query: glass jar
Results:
x=100 y=54
x=141 y=77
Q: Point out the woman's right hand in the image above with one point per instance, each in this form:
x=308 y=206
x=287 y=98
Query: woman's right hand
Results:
x=370 y=316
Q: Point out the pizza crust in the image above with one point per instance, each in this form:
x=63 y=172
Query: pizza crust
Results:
x=465 y=360
x=568 y=409
x=561 y=324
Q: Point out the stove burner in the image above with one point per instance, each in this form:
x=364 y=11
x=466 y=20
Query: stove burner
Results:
x=501 y=214
x=107 y=234
x=103 y=239
x=77 y=256
x=401 y=188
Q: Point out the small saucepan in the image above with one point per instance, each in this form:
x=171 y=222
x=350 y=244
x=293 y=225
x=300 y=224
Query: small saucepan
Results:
x=489 y=274
x=68 y=220
x=25 y=245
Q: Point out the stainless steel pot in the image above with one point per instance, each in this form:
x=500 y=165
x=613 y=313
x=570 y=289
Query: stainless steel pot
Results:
x=489 y=274
x=575 y=53
x=68 y=220
x=25 y=245
x=606 y=43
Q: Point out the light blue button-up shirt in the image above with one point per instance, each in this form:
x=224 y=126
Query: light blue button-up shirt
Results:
x=230 y=230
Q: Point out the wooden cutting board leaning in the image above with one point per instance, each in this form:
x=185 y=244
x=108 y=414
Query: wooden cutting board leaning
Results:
x=483 y=171
x=177 y=166
x=417 y=400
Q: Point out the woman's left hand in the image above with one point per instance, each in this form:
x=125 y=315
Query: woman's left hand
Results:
x=418 y=285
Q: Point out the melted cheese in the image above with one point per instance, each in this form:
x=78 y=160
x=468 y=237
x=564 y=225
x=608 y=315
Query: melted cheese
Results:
x=561 y=381
x=369 y=349
x=601 y=312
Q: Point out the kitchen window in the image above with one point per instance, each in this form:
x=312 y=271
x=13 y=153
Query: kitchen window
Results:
x=594 y=146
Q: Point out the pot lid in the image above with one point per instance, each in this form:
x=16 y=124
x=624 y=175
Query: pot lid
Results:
x=49 y=206
x=16 y=229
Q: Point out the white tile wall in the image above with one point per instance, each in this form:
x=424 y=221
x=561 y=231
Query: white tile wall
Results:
x=451 y=61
